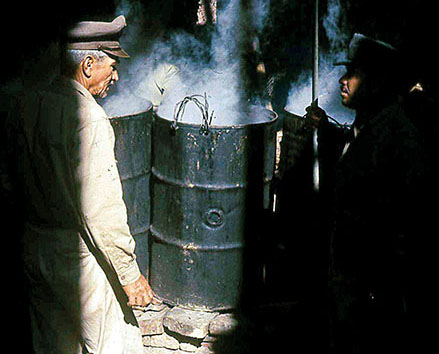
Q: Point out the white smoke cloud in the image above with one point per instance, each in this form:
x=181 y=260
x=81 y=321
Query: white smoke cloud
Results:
x=300 y=93
x=215 y=71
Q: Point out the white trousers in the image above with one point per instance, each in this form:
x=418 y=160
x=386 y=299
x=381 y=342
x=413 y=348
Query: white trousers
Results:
x=74 y=308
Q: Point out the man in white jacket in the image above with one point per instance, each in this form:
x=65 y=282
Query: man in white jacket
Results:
x=78 y=250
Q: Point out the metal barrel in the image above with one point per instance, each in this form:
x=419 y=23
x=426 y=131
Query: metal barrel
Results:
x=133 y=154
x=206 y=191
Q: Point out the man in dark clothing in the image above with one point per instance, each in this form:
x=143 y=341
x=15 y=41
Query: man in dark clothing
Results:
x=373 y=173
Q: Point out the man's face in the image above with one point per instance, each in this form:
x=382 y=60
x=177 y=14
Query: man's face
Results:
x=104 y=74
x=351 y=84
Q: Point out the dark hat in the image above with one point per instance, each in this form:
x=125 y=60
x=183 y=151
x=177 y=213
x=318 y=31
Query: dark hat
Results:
x=369 y=53
x=104 y=36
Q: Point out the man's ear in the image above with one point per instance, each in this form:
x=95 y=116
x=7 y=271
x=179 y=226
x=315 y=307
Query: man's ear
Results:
x=87 y=66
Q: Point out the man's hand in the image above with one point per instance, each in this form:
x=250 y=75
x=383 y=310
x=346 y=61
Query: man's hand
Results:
x=314 y=115
x=139 y=293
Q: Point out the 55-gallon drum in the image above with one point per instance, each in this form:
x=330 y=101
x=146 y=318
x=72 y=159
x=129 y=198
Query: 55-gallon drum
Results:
x=133 y=155
x=208 y=188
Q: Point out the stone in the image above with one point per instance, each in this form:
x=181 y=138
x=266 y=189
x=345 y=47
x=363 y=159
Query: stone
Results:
x=146 y=340
x=188 y=347
x=138 y=310
x=189 y=323
x=203 y=350
x=187 y=344
x=223 y=324
x=152 y=350
x=164 y=340
x=210 y=339
x=208 y=345
x=151 y=322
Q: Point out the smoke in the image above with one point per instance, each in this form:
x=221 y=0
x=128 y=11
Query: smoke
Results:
x=219 y=76
x=180 y=66
x=300 y=93
x=334 y=26
x=137 y=87
x=259 y=14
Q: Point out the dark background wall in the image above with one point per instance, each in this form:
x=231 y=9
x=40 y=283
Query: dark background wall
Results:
x=26 y=27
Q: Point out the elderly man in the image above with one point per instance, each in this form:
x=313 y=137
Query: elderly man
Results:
x=78 y=250
x=375 y=172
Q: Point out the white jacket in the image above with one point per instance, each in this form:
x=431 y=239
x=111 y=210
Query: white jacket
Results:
x=66 y=157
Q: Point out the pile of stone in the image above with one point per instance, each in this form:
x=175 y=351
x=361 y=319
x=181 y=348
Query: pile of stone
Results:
x=174 y=330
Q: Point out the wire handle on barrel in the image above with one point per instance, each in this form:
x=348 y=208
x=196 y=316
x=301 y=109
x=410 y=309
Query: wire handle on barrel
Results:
x=203 y=107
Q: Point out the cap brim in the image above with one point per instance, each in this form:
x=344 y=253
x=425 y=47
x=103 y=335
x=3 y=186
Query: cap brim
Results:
x=116 y=52
x=109 y=47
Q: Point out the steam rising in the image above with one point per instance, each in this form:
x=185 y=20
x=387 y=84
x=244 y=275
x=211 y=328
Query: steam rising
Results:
x=170 y=70
x=192 y=68
x=300 y=93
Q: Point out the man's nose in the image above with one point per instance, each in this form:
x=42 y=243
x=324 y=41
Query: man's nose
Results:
x=344 y=79
x=115 y=75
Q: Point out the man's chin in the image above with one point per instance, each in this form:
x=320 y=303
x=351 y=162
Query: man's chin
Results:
x=346 y=102
x=103 y=94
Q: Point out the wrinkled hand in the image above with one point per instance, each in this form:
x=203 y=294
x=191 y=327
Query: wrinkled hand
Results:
x=139 y=293
x=314 y=115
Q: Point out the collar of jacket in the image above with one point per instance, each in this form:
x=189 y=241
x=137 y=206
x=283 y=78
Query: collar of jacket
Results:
x=72 y=84
x=81 y=89
x=372 y=116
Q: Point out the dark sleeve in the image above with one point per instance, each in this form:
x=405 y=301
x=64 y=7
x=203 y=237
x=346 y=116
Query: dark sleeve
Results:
x=332 y=139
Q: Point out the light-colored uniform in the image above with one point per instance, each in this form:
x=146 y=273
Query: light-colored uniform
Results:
x=78 y=250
